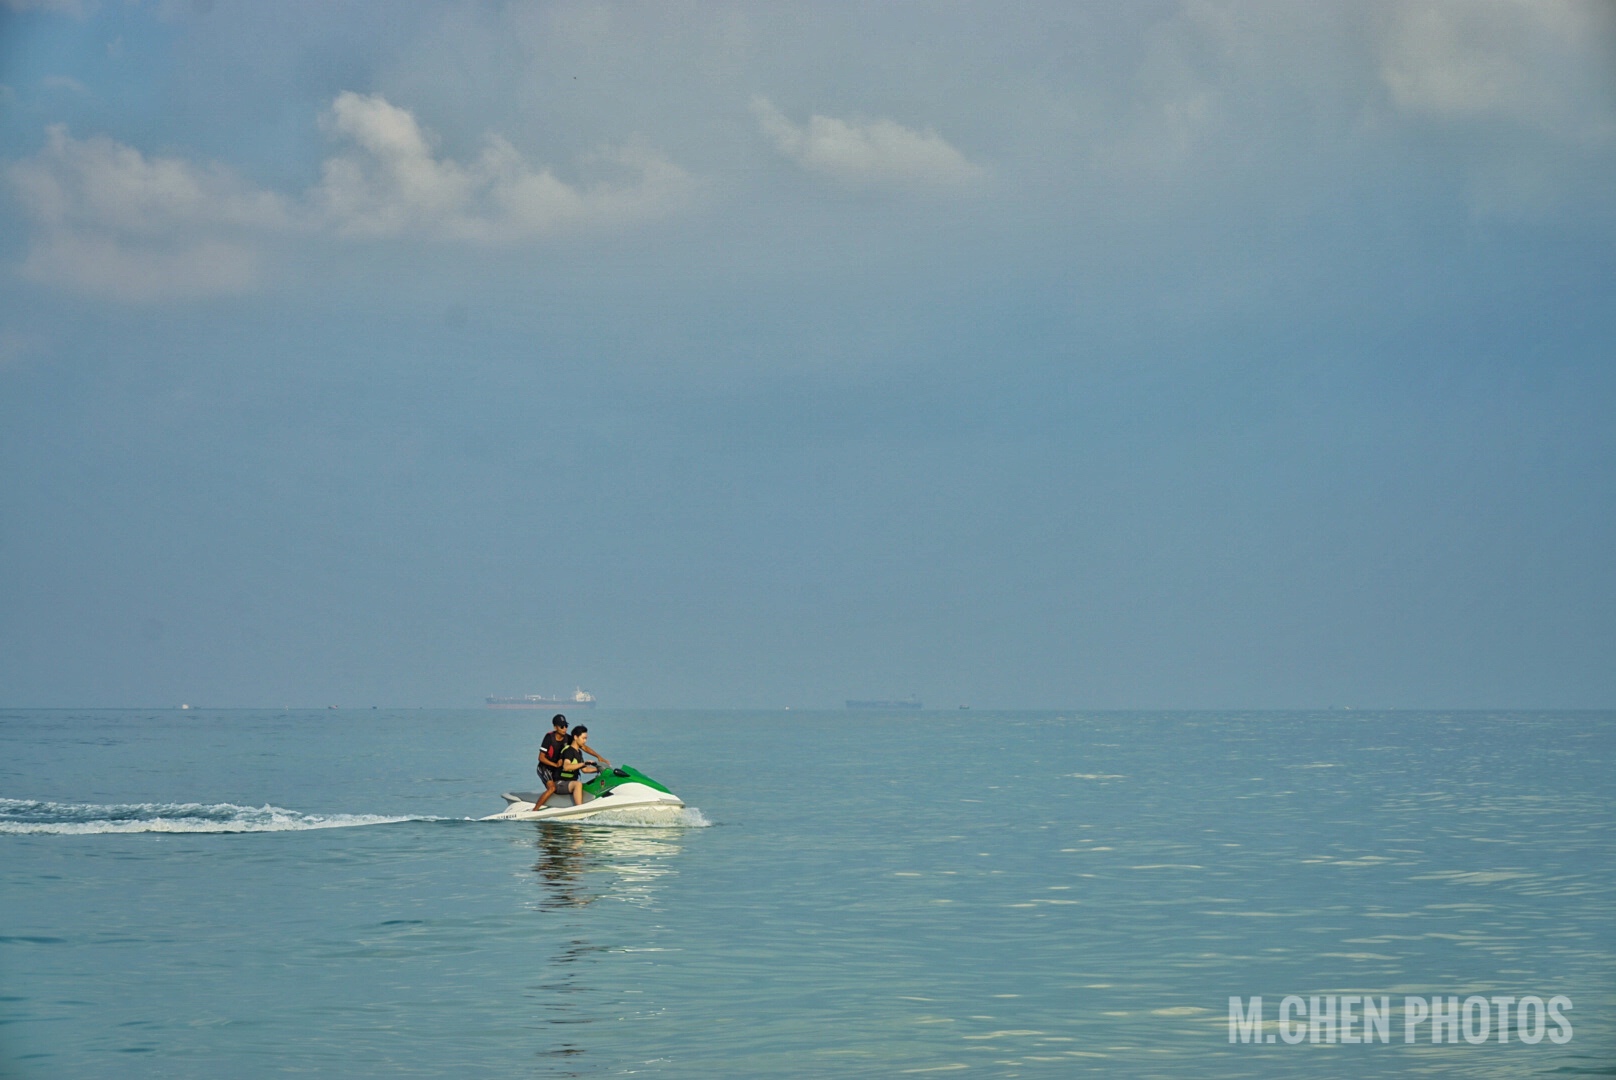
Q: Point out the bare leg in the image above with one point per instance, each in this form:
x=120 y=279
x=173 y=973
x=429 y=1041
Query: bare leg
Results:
x=577 y=793
x=549 y=790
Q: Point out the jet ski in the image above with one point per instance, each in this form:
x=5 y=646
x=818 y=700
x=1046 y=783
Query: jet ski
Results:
x=615 y=790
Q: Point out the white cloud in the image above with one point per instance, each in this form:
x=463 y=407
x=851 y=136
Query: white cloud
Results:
x=1283 y=103
x=111 y=221
x=390 y=182
x=1531 y=61
x=875 y=151
x=99 y=183
x=1531 y=82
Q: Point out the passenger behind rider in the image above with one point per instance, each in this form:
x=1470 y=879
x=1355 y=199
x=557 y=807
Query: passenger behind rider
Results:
x=549 y=750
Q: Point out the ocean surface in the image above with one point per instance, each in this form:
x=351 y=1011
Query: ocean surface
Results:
x=260 y=893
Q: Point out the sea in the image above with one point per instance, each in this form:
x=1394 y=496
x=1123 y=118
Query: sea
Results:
x=266 y=893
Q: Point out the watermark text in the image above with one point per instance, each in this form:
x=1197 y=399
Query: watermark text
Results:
x=1366 y=1018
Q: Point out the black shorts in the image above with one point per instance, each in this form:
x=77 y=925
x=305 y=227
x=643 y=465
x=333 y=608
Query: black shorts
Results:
x=547 y=774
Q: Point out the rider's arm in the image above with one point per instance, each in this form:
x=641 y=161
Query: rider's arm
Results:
x=596 y=755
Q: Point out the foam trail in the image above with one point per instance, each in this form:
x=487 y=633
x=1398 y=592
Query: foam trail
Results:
x=684 y=818
x=33 y=817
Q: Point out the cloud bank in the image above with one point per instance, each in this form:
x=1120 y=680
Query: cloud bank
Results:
x=110 y=221
x=1218 y=111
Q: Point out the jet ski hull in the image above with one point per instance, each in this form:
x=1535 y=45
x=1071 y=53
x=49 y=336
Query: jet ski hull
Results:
x=621 y=790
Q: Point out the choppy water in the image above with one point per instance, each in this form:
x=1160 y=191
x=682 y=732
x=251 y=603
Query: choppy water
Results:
x=203 y=894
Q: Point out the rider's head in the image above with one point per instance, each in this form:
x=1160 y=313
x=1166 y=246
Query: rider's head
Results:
x=579 y=732
x=559 y=723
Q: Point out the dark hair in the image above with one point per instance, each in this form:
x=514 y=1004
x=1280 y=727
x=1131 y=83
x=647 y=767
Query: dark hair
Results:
x=559 y=721
x=579 y=730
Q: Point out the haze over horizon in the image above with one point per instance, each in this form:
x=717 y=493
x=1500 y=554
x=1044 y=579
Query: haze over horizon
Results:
x=1165 y=355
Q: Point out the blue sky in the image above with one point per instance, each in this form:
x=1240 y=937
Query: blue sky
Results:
x=1247 y=355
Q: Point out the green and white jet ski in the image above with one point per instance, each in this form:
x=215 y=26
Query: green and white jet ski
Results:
x=620 y=789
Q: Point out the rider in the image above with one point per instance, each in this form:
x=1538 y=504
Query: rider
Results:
x=572 y=764
x=550 y=757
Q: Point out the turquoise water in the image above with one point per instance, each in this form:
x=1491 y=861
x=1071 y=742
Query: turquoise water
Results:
x=1034 y=895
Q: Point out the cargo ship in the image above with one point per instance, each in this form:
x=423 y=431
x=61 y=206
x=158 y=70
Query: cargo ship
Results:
x=581 y=699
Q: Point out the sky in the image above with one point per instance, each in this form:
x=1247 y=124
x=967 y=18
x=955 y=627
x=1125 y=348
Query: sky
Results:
x=1151 y=355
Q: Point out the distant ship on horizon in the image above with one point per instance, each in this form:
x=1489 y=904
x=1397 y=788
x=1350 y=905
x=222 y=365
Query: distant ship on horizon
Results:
x=581 y=699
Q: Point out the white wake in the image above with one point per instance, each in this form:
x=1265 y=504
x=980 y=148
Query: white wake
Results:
x=32 y=817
